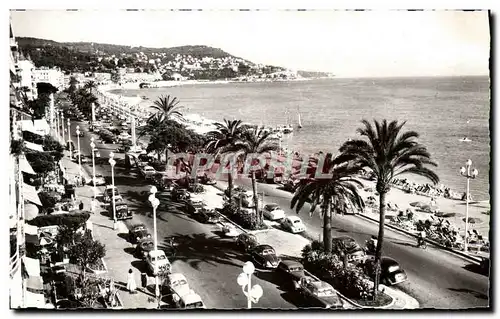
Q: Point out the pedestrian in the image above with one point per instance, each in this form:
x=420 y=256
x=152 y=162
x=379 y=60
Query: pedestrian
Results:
x=131 y=286
x=80 y=206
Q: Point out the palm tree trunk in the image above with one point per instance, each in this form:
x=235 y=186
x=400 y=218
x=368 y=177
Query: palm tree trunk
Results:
x=229 y=185
x=380 y=239
x=327 y=229
x=255 y=199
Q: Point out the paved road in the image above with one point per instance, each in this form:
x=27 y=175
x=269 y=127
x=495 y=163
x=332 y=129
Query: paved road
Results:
x=437 y=279
x=210 y=264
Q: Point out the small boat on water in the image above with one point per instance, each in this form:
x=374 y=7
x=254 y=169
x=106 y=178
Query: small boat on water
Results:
x=465 y=139
x=144 y=97
x=300 y=122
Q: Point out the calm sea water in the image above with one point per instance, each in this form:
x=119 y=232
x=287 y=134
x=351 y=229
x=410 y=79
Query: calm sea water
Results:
x=442 y=109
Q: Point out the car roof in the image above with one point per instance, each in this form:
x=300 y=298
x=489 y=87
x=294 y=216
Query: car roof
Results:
x=265 y=246
x=388 y=261
x=319 y=284
x=137 y=225
x=272 y=205
x=191 y=297
x=176 y=276
x=148 y=167
x=294 y=218
x=291 y=263
x=154 y=253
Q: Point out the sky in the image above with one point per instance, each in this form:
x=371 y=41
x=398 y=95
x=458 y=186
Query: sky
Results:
x=346 y=43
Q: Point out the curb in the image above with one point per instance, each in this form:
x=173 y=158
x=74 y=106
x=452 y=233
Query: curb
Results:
x=459 y=253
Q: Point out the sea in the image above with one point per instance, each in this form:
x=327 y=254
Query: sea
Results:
x=443 y=110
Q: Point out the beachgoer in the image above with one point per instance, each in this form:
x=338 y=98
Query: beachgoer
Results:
x=131 y=286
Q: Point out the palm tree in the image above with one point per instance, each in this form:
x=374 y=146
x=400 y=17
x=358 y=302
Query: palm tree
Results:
x=223 y=137
x=254 y=141
x=388 y=153
x=336 y=193
x=90 y=85
x=167 y=108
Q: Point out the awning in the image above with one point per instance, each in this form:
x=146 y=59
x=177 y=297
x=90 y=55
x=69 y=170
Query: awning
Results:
x=33 y=300
x=40 y=127
x=35 y=283
x=30 y=194
x=32 y=266
x=25 y=165
x=30 y=211
x=33 y=146
x=30 y=229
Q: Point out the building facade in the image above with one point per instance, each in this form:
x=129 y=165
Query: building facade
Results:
x=53 y=76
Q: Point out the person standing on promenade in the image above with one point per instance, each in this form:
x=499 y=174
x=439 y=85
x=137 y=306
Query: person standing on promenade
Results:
x=131 y=286
x=80 y=206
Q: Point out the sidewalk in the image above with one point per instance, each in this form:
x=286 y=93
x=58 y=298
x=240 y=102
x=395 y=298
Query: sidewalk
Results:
x=117 y=259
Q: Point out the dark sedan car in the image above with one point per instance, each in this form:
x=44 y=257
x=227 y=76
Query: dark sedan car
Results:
x=206 y=216
x=138 y=232
x=291 y=272
x=265 y=256
x=144 y=246
x=390 y=274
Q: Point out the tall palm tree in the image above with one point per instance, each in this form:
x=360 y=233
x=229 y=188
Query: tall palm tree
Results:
x=335 y=193
x=256 y=140
x=90 y=85
x=167 y=108
x=222 y=138
x=154 y=128
x=388 y=153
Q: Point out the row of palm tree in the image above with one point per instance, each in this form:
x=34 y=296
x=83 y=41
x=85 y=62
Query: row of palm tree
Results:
x=83 y=98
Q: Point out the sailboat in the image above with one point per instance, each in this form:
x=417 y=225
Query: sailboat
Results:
x=287 y=128
x=300 y=123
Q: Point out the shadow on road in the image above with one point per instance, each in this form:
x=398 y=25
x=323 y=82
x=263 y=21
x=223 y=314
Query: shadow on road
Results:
x=476 y=269
x=403 y=243
x=196 y=249
x=129 y=250
x=472 y=292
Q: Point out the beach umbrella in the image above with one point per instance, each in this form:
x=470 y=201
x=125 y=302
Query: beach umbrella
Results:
x=473 y=220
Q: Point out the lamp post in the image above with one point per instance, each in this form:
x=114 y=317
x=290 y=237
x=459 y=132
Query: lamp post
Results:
x=467 y=173
x=69 y=140
x=155 y=202
x=245 y=280
x=79 y=154
x=57 y=123
x=112 y=162
x=62 y=128
x=92 y=145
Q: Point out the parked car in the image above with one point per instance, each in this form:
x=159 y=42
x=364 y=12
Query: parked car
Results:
x=108 y=194
x=82 y=134
x=84 y=159
x=319 y=293
x=246 y=242
x=190 y=301
x=70 y=146
x=229 y=230
x=179 y=194
x=347 y=245
x=273 y=212
x=122 y=211
x=157 y=262
x=293 y=224
x=138 y=232
x=291 y=271
x=100 y=180
x=176 y=284
x=265 y=256
x=148 y=172
x=97 y=154
x=391 y=272
x=206 y=216
x=144 y=246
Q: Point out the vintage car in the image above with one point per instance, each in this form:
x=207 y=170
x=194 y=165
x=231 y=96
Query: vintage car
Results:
x=99 y=180
x=246 y=242
x=291 y=271
x=190 y=301
x=121 y=210
x=229 y=230
x=179 y=194
x=144 y=246
x=390 y=271
x=97 y=154
x=347 y=245
x=83 y=159
x=138 y=232
x=148 y=172
x=157 y=262
x=273 y=212
x=206 y=216
x=319 y=293
x=293 y=224
x=265 y=256
x=108 y=194
x=176 y=284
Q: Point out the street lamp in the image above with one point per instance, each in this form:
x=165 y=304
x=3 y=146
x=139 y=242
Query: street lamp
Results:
x=62 y=128
x=112 y=162
x=79 y=154
x=244 y=280
x=57 y=123
x=69 y=140
x=92 y=145
x=155 y=202
x=467 y=173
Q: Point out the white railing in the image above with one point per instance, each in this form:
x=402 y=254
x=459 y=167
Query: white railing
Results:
x=14 y=263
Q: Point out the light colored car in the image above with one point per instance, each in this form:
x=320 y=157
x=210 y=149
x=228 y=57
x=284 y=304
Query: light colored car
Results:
x=99 y=180
x=157 y=262
x=190 y=301
x=293 y=224
x=177 y=284
x=148 y=171
x=273 y=212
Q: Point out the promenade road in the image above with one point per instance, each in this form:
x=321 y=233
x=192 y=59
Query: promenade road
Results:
x=211 y=264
